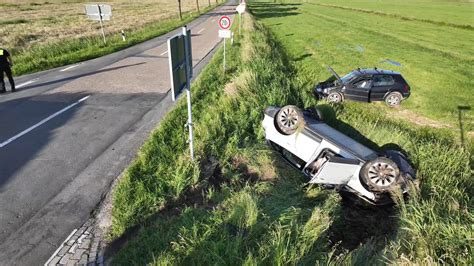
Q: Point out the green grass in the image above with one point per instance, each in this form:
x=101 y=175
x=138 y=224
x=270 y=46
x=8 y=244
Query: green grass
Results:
x=13 y=21
x=76 y=50
x=453 y=13
x=255 y=209
x=436 y=60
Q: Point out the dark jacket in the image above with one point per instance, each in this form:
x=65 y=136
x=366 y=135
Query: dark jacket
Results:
x=4 y=54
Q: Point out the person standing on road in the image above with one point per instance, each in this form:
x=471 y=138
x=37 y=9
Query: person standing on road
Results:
x=5 y=66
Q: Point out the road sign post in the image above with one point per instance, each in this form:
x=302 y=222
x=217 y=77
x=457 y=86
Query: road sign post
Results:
x=101 y=24
x=180 y=62
x=240 y=9
x=100 y=13
x=225 y=33
x=224 y=55
x=179 y=9
x=189 y=67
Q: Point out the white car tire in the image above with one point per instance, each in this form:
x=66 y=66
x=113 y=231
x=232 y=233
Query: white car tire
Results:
x=289 y=119
x=380 y=174
x=393 y=99
x=335 y=97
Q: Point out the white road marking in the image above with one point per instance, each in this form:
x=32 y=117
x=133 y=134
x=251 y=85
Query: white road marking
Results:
x=25 y=83
x=165 y=52
x=60 y=247
x=26 y=131
x=69 y=67
x=201 y=30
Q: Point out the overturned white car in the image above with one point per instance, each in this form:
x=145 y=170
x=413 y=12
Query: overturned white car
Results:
x=334 y=160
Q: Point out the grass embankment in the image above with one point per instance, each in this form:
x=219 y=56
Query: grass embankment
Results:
x=255 y=209
x=45 y=35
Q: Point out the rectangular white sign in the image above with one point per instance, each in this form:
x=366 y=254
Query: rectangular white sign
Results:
x=225 y=34
x=93 y=12
x=241 y=8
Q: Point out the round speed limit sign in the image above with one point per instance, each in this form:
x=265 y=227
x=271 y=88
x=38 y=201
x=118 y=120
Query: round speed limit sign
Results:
x=224 y=22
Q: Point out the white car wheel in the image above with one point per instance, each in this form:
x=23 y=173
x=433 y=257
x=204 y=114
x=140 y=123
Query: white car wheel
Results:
x=380 y=175
x=289 y=119
x=393 y=99
x=334 y=97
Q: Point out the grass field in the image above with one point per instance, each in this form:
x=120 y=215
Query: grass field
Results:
x=454 y=13
x=46 y=34
x=254 y=209
x=436 y=59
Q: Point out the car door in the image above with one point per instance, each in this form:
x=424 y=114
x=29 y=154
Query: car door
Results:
x=336 y=171
x=358 y=90
x=381 y=85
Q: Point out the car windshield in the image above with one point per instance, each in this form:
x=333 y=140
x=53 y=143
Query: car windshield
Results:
x=349 y=77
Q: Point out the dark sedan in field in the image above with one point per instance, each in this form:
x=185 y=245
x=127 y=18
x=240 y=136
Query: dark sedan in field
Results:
x=365 y=85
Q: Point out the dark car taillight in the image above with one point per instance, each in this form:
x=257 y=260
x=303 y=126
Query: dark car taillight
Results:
x=406 y=88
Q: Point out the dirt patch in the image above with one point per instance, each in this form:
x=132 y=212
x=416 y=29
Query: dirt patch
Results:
x=231 y=89
x=364 y=224
x=407 y=115
x=241 y=163
x=419 y=120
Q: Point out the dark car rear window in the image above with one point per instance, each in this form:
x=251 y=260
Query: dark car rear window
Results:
x=383 y=80
x=400 y=79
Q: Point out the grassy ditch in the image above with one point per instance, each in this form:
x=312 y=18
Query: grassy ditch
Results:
x=63 y=52
x=254 y=209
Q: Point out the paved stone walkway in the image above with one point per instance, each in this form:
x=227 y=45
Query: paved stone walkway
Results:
x=82 y=247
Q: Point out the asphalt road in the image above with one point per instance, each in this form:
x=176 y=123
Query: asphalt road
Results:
x=69 y=132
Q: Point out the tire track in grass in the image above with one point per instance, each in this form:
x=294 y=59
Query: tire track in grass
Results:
x=397 y=16
x=457 y=57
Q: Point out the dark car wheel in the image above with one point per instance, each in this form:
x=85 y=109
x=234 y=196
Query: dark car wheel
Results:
x=380 y=174
x=289 y=119
x=393 y=99
x=334 y=97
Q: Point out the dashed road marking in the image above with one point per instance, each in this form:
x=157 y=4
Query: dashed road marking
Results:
x=201 y=30
x=165 y=52
x=26 y=83
x=69 y=67
x=26 y=131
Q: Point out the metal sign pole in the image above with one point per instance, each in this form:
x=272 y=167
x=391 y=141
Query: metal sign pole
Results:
x=101 y=26
x=240 y=22
x=224 y=55
x=179 y=8
x=190 y=124
x=188 y=94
